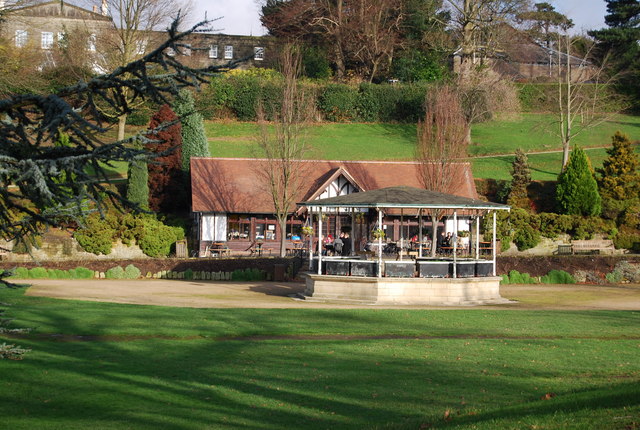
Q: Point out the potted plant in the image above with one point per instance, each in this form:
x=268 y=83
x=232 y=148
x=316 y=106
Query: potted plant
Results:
x=307 y=230
x=378 y=233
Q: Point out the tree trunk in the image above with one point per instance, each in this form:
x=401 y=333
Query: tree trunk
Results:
x=434 y=234
x=122 y=121
x=283 y=236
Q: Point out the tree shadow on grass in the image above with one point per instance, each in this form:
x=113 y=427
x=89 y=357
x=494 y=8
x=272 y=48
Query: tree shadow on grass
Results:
x=273 y=384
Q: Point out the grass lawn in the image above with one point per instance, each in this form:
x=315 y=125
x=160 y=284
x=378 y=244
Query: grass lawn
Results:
x=179 y=368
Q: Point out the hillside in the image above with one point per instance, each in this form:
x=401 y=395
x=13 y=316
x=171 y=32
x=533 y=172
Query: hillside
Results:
x=491 y=152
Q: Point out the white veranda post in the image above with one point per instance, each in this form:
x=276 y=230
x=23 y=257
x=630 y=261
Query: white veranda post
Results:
x=477 y=237
x=311 y=241
x=493 y=243
x=455 y=242
x=380 y=244
x=320 y=241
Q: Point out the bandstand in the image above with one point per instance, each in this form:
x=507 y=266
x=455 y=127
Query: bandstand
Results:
x=445 y=279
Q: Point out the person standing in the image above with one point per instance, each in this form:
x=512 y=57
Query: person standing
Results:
x=346 y=245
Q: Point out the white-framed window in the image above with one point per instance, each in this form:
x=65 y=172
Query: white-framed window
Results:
x=258 y=53
x=91 y=43
x=46 y=40
x=141 y=47
x=21 y=38
x=213 y=51
x=228 y=52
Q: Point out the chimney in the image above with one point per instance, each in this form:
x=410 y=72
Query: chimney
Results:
x=105 y=8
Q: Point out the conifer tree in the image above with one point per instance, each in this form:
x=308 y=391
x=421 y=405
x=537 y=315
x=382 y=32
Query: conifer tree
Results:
x=194 y=139
x=166 y=187
x=137 y=180
x=521 y=177
x=618 y=178
x=577 y=191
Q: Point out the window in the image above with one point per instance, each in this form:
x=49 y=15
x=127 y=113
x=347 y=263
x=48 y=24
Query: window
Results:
x=228 y=52
x=258 y=53
x=91 y=43
x=141 y=47
x=187 y=50
x=213 y=51
x=21 y=38
x=46 y=40
x=239 y=227
x=170 y=52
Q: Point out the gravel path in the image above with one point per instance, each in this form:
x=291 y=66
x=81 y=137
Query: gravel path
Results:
x=208 y=294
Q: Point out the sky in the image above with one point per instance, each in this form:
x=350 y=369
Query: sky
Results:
x=241 y=17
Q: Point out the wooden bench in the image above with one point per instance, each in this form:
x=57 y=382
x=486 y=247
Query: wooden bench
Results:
x=564 y=250
x=593 y=246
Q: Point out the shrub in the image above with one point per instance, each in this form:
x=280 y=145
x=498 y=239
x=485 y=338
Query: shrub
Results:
x=21 y=273
x=505 y=279
x=115 y=273
x=624 y=272
x=248 y=275
x=52 y=274
x=81 y=273
x=194 y=139
x=577 y=190
x=627 y=239
x=516 y=277
x=131 y=272
x=337 y=102
x=188 y=274
x=526 y=238
x=157 y=238
x=97 y=236
x=138 y=181
x=62 y=274
x=38 y=273
x=558 y=277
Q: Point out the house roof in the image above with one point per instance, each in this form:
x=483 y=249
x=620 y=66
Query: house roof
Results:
x=57 y=8
x=404 y=197
x=233 y=185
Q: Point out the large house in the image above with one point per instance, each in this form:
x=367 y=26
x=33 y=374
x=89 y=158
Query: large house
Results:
x=231 y=205
x=43 y=25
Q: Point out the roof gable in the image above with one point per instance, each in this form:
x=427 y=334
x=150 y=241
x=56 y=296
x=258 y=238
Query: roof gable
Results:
x=233 y=185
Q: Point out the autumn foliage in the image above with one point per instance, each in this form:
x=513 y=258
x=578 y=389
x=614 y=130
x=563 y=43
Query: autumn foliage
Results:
x=166 y=184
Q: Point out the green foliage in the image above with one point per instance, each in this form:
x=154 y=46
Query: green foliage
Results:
x=157 y=238
x=520 y=179
x=558 y=277
x=188 y=274
x=96 y=236
x=627 y=238
x=248 y=275
x=417 y=66
x=115 y=273
x=26 y=244
x=338 y=102
x=619 y=179
x=194 y=139
x=38 y=273
x=577 y=190
x=81 y=273
x=138 y=181
x=131 y=272
x=515 y=277
x=215 y=99
x=624 y=272
x=315 y=63
x=526 y=238
x=21 y=273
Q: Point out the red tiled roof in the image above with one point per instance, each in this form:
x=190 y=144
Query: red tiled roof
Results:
x=233 y=185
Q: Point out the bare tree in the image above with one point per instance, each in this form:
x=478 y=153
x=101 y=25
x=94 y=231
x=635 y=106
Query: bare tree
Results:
x=131 y=36
x=442 y=142
x=373 y=33
x=582 y=99
x=476 y=24
x=282 y=143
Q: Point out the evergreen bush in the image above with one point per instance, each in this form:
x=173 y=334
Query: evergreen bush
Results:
x=526 y=238
x=131 y=272
x=21 y=273
x=194 y=139
x=138 y=180
x=38 y=273
x=558 y=277
x=188 y=274
x=521 y=178
x=115 y=273
x=158 y=238
x=82 y=273
x=577 y=190
x=337 y=102
x=516 y=277
x=96 y=236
